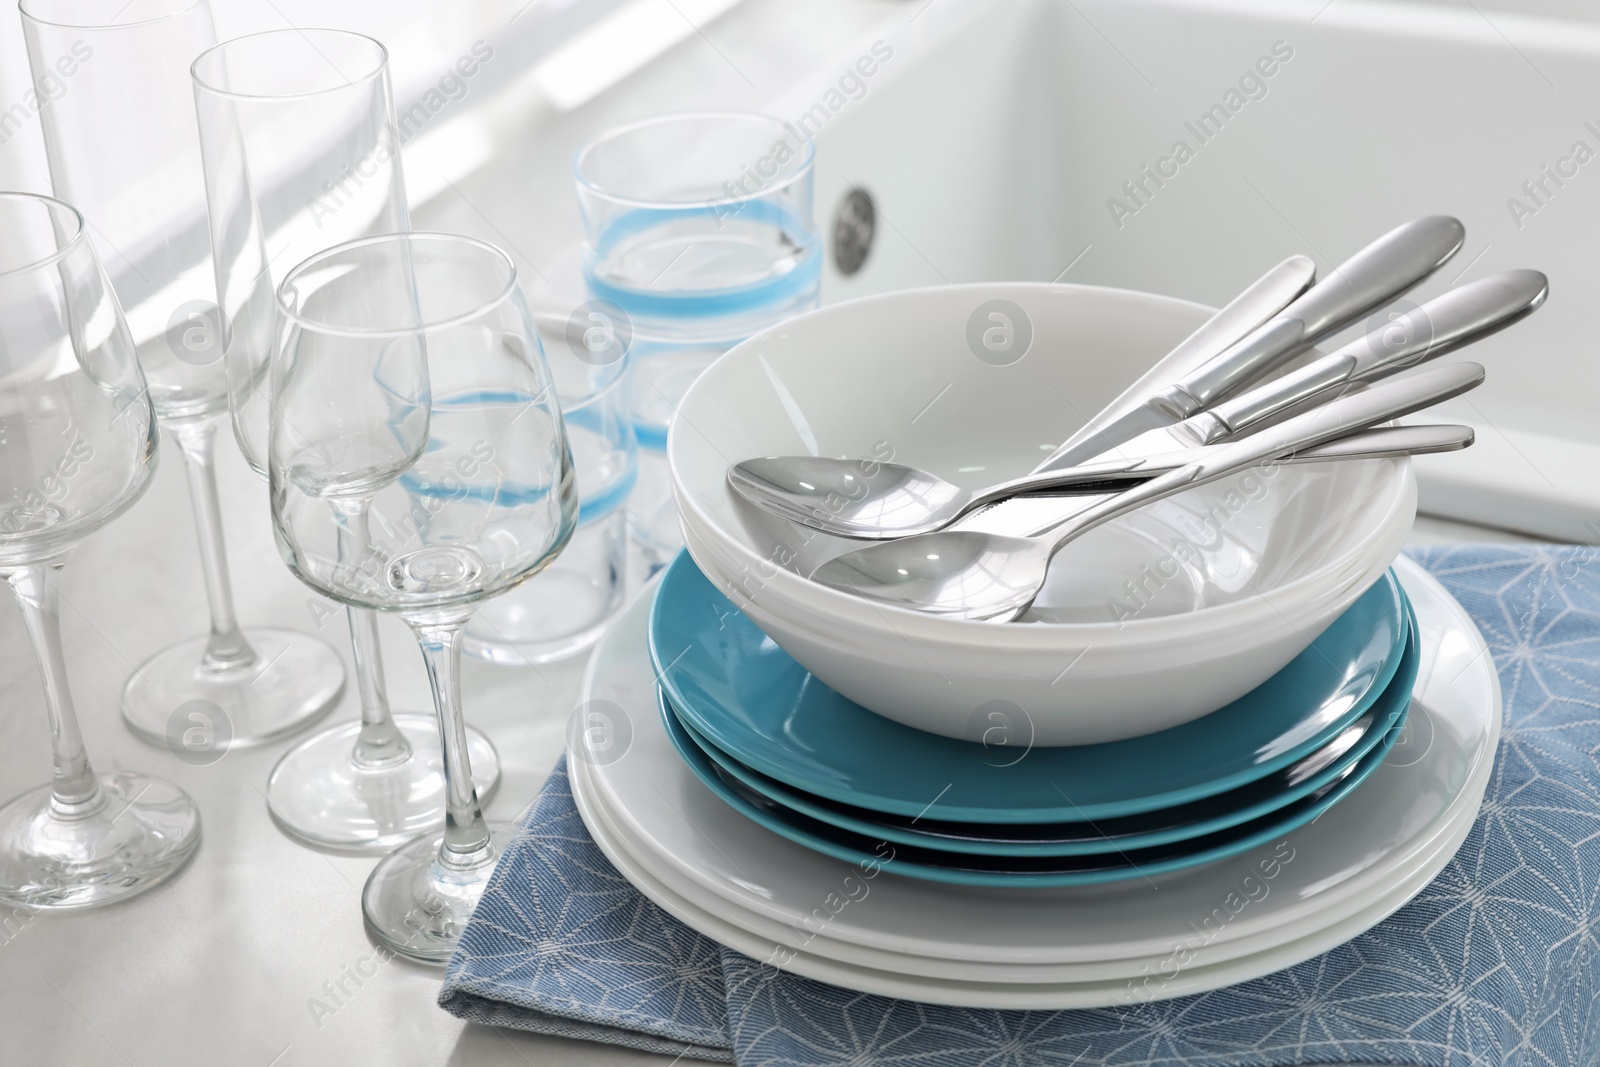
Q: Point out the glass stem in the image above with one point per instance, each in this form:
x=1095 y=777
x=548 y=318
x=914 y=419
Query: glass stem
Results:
x=227 y=650
x=467 y=842
x=380 y=743
x=76 y=791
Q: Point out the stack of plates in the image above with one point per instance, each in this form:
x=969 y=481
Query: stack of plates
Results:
x=776 y=817
x=805 y=762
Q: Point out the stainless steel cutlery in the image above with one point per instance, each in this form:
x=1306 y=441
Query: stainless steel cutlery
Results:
x=974 y=575
x=1193 y=418
x=879 y=501
x=1382 y=271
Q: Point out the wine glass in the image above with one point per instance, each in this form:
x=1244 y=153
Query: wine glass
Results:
x=302 y=152
x=122 y=147
x=418 y=465
x=77 y=448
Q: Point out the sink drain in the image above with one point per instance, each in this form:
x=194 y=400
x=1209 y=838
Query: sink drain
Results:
x=854 y=224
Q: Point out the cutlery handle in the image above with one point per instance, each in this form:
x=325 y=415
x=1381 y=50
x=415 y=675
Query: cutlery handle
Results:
x=1113 y=475
x=1119 y=421
x=1381 y=443
x=1372 y=277
x=1386 y=400
x=1376 y=443
x=1459 y=317
x=1389 y=441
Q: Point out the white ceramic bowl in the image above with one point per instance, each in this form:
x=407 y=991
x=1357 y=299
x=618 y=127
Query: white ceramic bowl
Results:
x=1146 y=623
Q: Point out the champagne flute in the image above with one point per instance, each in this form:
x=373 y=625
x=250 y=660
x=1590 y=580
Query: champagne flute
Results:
x=418 y=465
x=122 y=148
x=77 y=448
x=302 y=152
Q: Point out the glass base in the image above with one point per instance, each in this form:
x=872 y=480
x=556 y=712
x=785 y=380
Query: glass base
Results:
x=199 y=714
x=658 y=534
x=318 y=794
x=654 y=528
x=563 y=610
x=416 y=906
x=535 y=653
x=147 y=829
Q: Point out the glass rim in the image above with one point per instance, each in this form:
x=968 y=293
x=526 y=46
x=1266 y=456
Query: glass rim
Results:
x=612 y=133
x=351 y=83
x=66 y=249
x=476 y=312
x=22 y=9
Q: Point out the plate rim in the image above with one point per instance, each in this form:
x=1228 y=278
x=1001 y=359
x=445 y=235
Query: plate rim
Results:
x=797 y=800
x=1071 y=812
x=1258 y=837
x=1032 y=995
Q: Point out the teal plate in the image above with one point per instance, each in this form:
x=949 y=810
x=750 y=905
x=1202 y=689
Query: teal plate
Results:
x=1197 y=818
x=749 y=698
x=1020 y=871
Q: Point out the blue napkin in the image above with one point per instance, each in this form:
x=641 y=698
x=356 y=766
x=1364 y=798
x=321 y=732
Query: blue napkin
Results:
x=1496 y=962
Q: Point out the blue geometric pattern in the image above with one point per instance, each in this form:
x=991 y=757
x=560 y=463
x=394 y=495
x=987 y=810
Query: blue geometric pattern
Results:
x=1496 y=962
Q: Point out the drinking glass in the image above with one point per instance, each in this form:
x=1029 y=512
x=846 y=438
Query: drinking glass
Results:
x=563 y=611
x=698 y=232
x=122 y=146
x=77 y=448
x=418 y=465
x=301 y=153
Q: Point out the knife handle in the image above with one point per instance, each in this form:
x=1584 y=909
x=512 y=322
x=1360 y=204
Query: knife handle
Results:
x=1457 y=318
x=1380 y=272
x=1121 y=420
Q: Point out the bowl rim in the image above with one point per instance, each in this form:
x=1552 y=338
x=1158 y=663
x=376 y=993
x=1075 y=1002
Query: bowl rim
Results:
x=906 y=622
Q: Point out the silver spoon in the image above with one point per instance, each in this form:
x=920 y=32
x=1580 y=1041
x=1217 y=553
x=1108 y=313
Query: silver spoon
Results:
x=895 y=500
x=966 y=574
x=1380 y=272
x=880 y=501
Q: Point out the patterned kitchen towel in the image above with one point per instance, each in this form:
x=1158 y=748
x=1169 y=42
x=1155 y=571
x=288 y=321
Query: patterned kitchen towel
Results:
x=1496 y=962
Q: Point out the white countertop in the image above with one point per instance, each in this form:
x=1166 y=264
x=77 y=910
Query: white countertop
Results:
x=218 y=966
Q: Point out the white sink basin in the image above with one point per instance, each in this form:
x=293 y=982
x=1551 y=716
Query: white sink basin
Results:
x=1002 y=151
x=1001 y=141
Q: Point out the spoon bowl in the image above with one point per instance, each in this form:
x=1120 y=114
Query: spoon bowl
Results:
x=850 y=497
x=959 y=573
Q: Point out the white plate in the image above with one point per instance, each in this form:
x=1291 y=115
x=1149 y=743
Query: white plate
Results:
x=675 y=893
x=1154 y=980
x=1357 y=851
